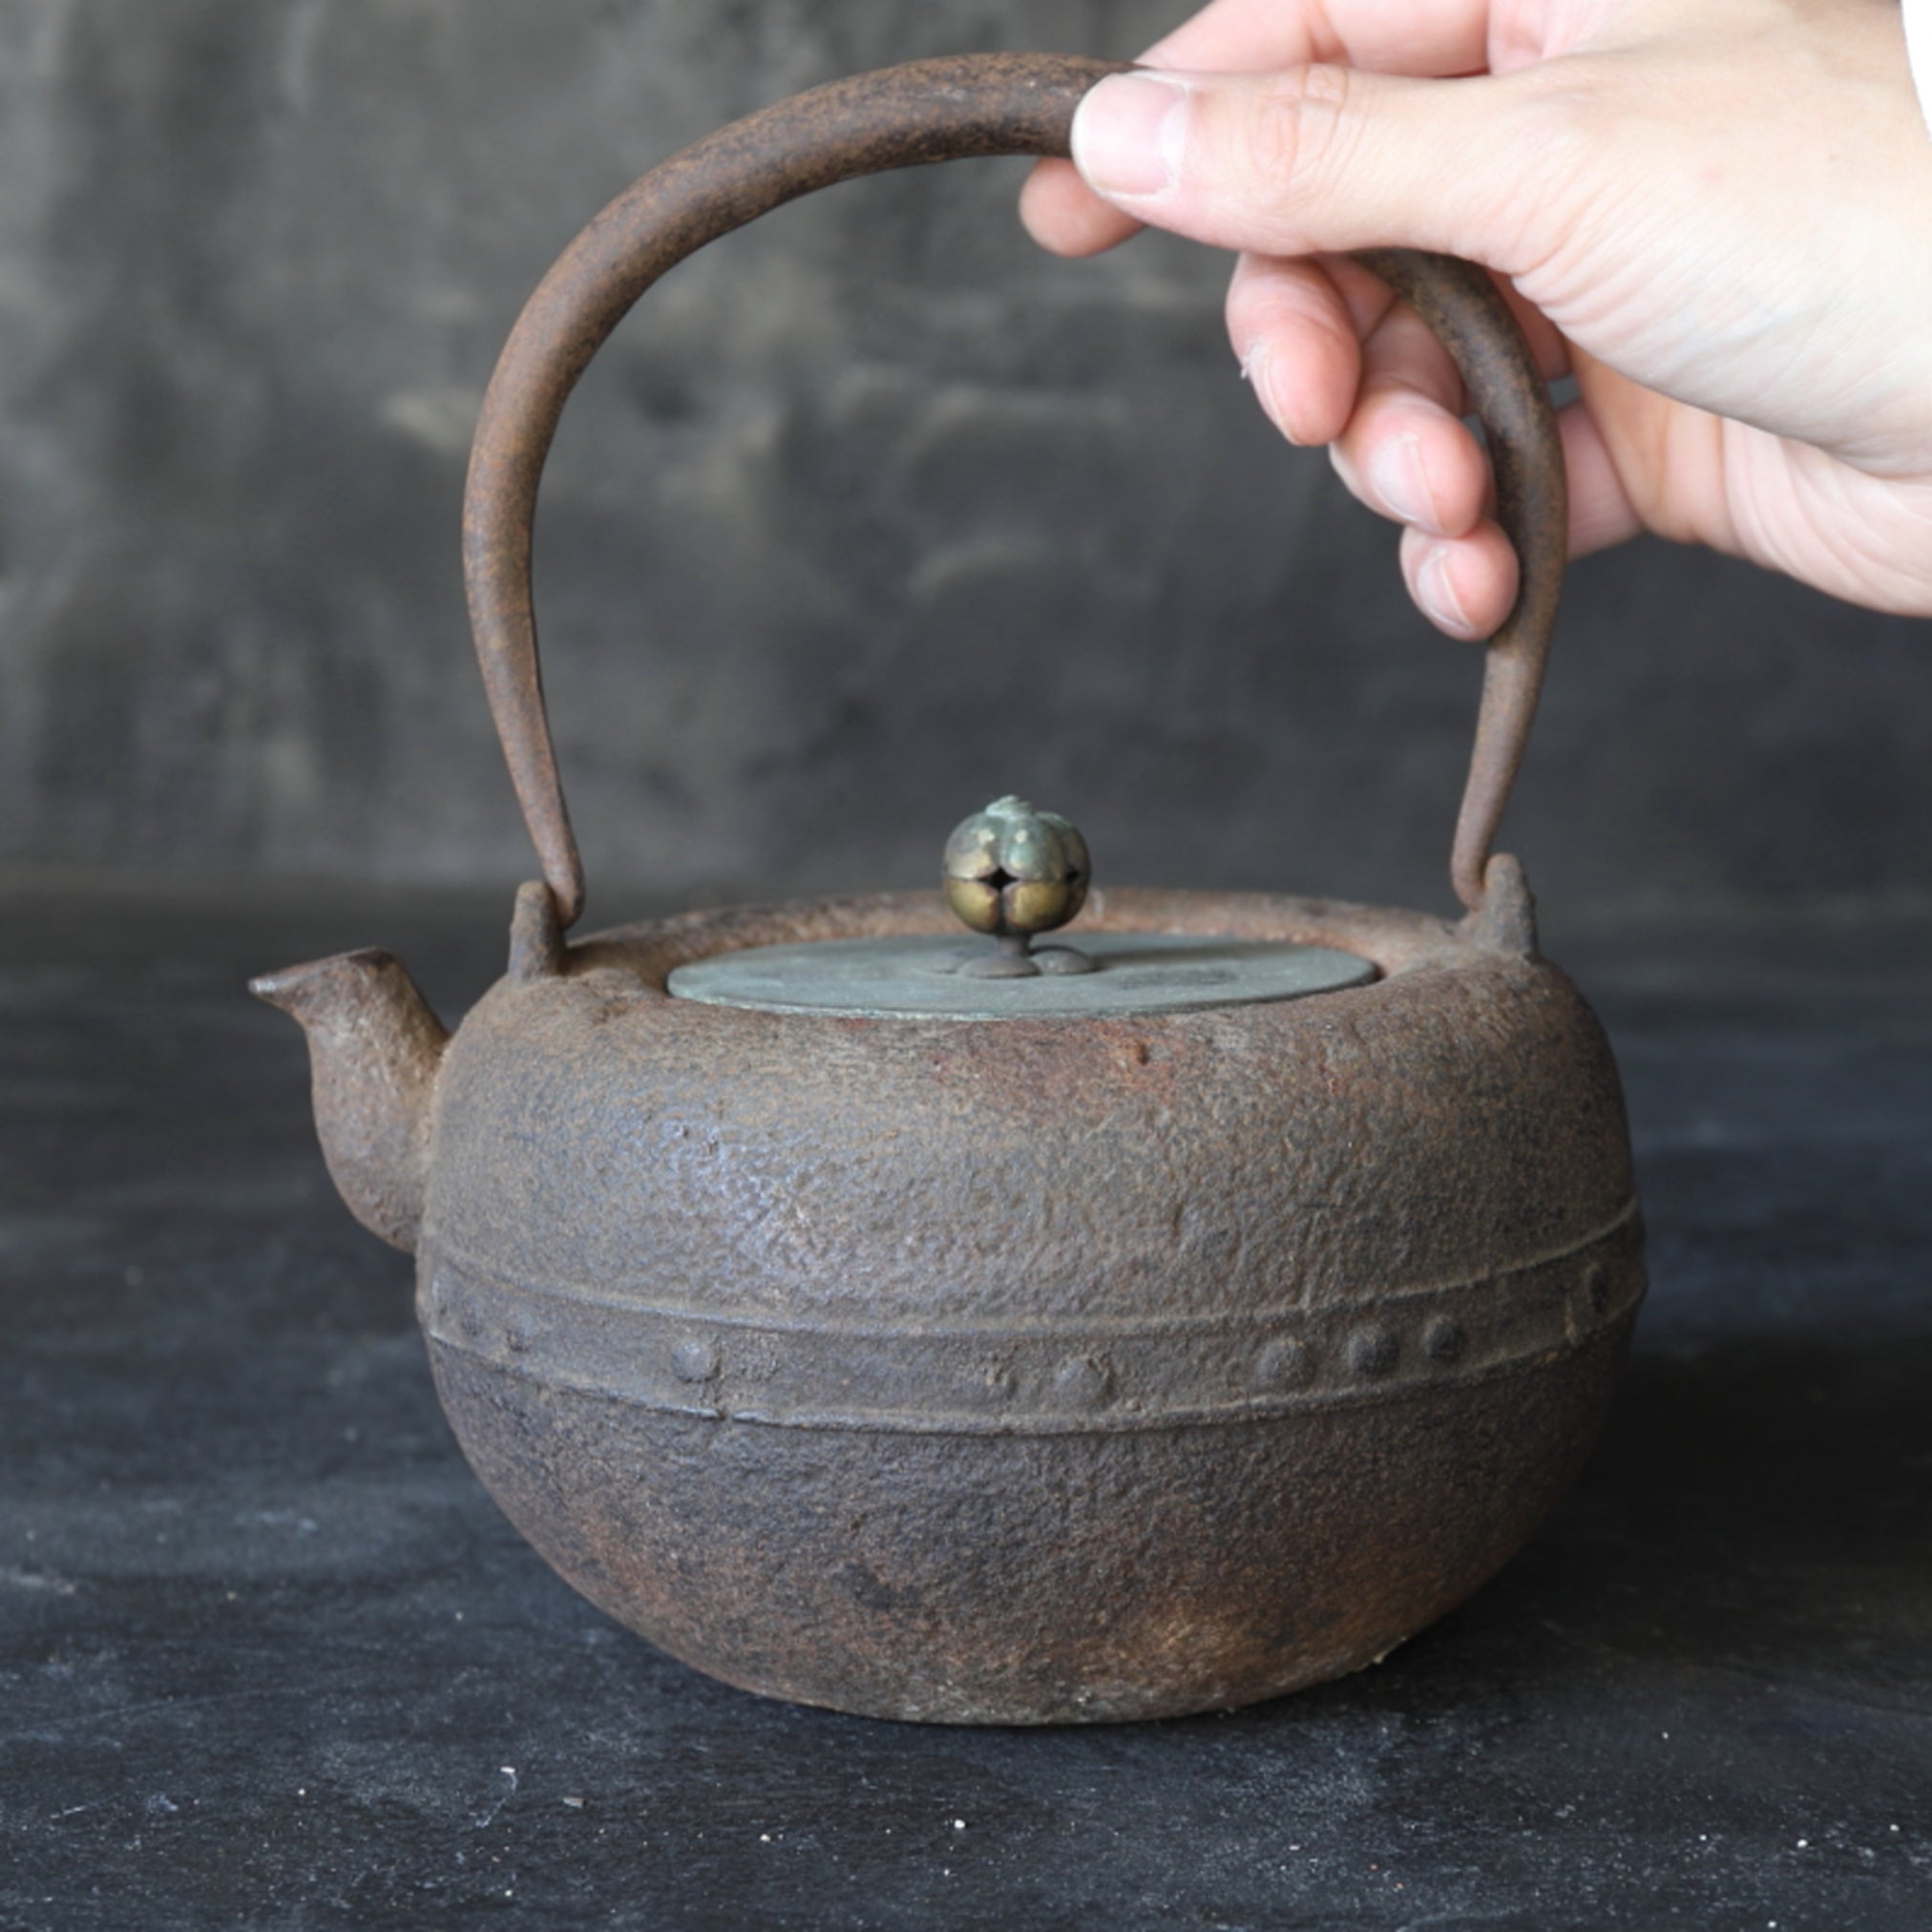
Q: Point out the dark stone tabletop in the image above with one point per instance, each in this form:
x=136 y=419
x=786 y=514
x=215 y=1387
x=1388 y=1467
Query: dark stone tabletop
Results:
x=269 y=1658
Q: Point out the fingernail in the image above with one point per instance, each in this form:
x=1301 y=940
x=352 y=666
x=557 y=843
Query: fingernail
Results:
x=1395 y=474
x=1127 y=135
x=1438 y=594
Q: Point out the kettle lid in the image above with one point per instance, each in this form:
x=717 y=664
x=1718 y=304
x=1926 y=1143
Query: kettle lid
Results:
x=1013 y=873
x=918 y=976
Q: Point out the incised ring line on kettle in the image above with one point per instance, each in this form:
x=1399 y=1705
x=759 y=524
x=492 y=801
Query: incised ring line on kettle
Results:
x=1047 y=1354
x=901 y=117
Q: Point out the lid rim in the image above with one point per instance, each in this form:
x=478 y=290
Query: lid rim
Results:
x=911 y=977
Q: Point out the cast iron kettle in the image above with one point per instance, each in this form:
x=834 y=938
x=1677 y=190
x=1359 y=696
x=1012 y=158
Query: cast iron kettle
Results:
x=1165 y=1344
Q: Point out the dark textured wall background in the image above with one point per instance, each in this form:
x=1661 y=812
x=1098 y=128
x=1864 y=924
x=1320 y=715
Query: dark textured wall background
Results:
x=868 y=513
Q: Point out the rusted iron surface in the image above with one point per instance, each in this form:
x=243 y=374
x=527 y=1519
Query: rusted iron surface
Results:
x=1024 y=1372
x=374 y=1051
x=1015 y=1372
x=1033 y=1578
x=905 y=117
x=1471 y=320
x=1007 y=1371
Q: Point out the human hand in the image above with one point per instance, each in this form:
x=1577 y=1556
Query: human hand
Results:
x=1716 y=213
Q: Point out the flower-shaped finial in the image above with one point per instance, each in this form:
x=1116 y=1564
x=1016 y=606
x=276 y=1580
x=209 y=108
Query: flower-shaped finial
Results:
x=1014 y=872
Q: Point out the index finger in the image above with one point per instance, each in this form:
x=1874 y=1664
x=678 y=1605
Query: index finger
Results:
x=1426 y=39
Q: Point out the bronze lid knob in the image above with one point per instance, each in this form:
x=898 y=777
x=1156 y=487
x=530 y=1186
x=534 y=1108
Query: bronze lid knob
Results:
x=1015 y=872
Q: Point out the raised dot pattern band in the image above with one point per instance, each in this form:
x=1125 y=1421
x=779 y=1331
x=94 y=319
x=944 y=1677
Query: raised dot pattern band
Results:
x=1042 y=1379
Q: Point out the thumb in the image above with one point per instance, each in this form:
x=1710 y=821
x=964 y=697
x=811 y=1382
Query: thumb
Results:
x=1311 y=159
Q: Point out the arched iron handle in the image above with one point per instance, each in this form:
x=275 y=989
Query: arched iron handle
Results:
x=899 y=117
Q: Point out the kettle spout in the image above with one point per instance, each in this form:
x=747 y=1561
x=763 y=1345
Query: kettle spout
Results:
x=374 y=1048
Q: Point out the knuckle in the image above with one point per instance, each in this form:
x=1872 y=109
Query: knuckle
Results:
x=1264 y=142
x=1325 y=122
x=1287 y=133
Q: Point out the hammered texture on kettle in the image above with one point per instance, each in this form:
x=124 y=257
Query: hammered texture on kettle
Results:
x=1009 y=1371
x=1441 y=1123
x=1033 y=1578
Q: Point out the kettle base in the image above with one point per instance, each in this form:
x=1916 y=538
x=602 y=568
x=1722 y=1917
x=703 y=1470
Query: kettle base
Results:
x=1021 y=1580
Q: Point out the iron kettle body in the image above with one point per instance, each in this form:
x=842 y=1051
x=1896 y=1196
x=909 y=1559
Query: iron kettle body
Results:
x=1018 y=1371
